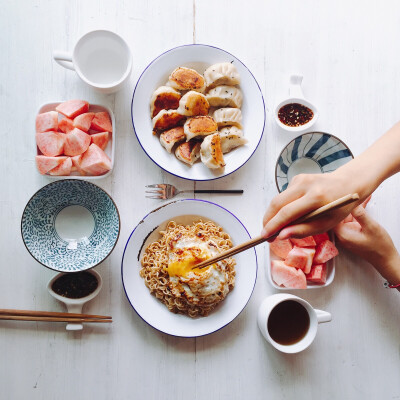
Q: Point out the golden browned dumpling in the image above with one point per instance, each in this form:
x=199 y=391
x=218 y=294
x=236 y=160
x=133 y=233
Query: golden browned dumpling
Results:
x=186 y=79
x=211 y=152
x=164 y=98
x=167 y=119
x=199 y=126
x=172 y=136
x=188 y=152
x=193 y=103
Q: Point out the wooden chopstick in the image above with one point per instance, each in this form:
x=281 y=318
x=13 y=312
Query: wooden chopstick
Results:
x=52 y=314
x=50 y=319
x=343 y=201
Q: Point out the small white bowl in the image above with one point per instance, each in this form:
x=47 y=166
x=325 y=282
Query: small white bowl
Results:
x=75 y=305
x=109 y=150
x=296 y=96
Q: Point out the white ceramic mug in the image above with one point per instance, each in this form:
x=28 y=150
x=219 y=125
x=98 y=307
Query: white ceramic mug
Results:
x=316 y=317
x=101 y=58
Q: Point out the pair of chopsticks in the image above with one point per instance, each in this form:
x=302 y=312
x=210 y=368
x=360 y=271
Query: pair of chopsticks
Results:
x=343 y=201
x=49 y=316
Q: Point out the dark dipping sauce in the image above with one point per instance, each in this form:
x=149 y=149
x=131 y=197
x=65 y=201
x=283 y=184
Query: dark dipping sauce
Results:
x=75 y=285
x=288 y=322
x=295 y=114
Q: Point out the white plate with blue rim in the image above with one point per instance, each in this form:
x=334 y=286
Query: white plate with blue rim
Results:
x=152 y=310
x=198 y=57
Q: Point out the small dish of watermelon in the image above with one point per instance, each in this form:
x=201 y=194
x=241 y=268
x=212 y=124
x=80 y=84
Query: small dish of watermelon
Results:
x=307 y=263
x=76 y=139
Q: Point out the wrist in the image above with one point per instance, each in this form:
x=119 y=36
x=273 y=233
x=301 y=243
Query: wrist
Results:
x=389 y=267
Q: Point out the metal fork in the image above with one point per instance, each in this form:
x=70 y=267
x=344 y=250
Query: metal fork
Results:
x=166 y=191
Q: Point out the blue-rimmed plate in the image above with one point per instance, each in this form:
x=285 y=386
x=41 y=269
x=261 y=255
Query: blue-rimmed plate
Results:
x=151 y=309
x=310 y=153
x=198 y=57
x=70 y=225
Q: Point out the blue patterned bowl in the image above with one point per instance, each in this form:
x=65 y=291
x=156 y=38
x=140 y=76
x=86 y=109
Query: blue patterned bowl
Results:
x=70 y=225
x=310 y=153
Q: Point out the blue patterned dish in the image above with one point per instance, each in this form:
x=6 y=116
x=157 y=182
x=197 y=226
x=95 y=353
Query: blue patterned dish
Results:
x=70 y=225
x=310 y=153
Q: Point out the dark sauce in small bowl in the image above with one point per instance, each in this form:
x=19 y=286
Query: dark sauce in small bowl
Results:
x=75 y=285
x=295 y=114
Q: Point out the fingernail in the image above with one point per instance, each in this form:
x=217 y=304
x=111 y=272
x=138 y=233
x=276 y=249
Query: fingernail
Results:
x=285 y=234
x=264 y=233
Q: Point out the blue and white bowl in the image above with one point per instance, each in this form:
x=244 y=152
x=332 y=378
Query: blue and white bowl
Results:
x=70 y=225
x=310 y=153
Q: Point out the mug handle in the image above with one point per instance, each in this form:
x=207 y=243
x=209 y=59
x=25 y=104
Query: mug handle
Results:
x=64 y=59
x=323 y=316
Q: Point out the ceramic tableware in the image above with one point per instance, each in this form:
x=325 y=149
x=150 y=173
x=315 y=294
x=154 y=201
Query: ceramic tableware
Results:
x=70 y=225
x=101 y=58
x=156 y=313
x=198 y=57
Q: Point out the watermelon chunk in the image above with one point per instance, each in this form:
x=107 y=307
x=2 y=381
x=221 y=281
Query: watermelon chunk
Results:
x=63 y=169
x=281 y=248
x=321 y=238
x=305 y=242
x=286 y=276
x=76 y=142
x=102 y=122
x=101 y=139
x=47 y=121
x=317 y=274
x=50 y=143
x=76 y=164
x=325 y=251
x=94 y=161
x=300 y=257
x=73 y=108
x=45 y=164
x=66 y=125
x=83 y=121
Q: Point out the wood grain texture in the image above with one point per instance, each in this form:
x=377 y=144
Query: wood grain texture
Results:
x=347 y=52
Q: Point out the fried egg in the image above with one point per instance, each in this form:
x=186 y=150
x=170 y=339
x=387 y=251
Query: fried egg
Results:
x=198 y=286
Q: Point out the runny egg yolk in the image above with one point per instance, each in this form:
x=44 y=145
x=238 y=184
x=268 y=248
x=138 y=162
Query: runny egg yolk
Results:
x=185 y=259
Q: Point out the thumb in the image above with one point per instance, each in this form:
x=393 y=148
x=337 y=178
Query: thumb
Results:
x=361 y=216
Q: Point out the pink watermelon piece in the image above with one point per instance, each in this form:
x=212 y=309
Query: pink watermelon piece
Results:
x=304 y=242
x=101 y=139
x=325 y=251
x=47 y=121
x=76 y=164
x=66 y=125
x=73 y=108
x=45 y=164
x=94 y=161
x=83 y=121
x=50 y=143
x=301 y=258
x=281 y=248
x=63 y=169
x=102 y=122
x=286 y=276
x=76 y=142
x=317 y=274
x=320 y=238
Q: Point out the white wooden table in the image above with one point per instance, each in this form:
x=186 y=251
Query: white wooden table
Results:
x=348 y=54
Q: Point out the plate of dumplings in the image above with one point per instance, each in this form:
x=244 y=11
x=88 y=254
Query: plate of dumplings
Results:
x=198 y=112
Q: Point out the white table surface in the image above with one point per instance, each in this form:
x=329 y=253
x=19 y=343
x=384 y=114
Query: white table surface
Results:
x=349 y=55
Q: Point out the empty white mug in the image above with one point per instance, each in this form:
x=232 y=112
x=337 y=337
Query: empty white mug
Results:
x=316 y=317
x=101 y=58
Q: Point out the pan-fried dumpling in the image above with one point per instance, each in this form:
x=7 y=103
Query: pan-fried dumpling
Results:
x=228 y=116
x=183 y=78
x=167 y=119
x=193 y=103
x=199 y=126
x=231 y=137
x=172 y=136
x=221 y=74
x=188 y=152
x=225 y=96
x=211 y=152
x=164 y=98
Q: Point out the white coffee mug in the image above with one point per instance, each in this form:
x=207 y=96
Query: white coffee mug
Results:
x=316 y=317
x=101 y=58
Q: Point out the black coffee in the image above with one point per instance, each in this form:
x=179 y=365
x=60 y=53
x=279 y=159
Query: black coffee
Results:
x=288 y=322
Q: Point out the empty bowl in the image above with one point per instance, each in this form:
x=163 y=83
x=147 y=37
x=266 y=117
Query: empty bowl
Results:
x=310 y=153
x=70 y=225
